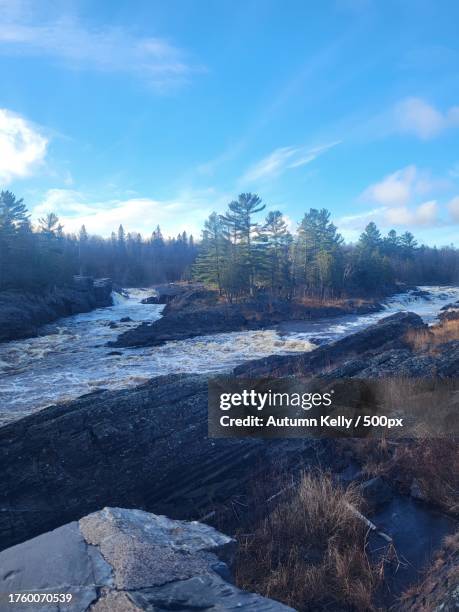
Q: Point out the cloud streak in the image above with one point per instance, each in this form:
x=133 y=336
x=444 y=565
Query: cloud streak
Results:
x=22 y=147
x=154 y=60
x=282 y=159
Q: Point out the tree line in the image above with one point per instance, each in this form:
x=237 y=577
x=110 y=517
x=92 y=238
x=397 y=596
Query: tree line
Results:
x=40 y=257
x=241 y=253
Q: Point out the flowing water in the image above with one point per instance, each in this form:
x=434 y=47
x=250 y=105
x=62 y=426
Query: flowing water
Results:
x=70 y=357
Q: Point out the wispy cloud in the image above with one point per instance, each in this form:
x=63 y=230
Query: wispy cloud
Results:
x=154 y=60
x=22 y=147
x=187 y=211
x=417 y=117
x=282 y=159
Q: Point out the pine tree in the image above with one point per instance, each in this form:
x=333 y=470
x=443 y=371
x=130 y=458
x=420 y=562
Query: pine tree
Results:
x=241 y=227
x=210 y=263
x=278 y=241
x=317 y=236
x=370 y=240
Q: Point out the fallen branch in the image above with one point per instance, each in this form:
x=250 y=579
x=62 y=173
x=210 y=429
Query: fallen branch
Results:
x=369 y=524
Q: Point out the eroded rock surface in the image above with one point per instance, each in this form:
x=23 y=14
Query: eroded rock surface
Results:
x=118 y=560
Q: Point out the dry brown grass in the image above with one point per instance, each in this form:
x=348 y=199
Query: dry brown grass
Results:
x=310 y=550
x=432 y=464
x=429 y=339
x=436 y=590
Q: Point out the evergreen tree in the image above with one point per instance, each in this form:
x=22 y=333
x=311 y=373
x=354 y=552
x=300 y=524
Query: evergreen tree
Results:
x=277 y=240
x=317 y=253
x=210 y=263
x=242 y=228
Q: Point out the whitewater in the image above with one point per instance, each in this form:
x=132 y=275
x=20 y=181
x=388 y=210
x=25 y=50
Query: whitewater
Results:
x=70 y=357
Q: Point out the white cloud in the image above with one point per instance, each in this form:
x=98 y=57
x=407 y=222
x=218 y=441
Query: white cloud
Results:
x=185 y=212
x=394 y=190
x=403 y=186
x=453 y=207
x=153 y=59
x=423 y=215
x=397 y=198
x=282 y=159
x=22 y=147
x=418 y=117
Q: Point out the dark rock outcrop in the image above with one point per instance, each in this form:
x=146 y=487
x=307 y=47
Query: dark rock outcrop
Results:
x=200 y=312
x=146 y=447
x=182 y=326
x=382 y=341
x=22 y=314
x=118 y=560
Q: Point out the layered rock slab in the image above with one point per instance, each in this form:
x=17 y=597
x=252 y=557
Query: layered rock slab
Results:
x=121 y=560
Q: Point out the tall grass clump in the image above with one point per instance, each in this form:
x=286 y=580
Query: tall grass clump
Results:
x=310 y=550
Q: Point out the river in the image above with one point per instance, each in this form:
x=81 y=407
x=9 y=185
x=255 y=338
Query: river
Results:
x=70 y=357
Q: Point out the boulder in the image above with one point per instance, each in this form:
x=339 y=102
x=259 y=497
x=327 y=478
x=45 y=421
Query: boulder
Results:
x=118 y=560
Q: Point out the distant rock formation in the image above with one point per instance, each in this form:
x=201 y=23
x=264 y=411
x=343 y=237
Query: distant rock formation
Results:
x=118 y=560
x=200 y=312
x=22 y=313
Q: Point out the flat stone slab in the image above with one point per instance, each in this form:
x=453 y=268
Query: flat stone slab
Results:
x=118 y=560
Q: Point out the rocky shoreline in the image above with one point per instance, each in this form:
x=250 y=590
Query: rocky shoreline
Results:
x=382 y=350
x=200 y=312
x=152 y=440
x=23 y=313
x=148 y=447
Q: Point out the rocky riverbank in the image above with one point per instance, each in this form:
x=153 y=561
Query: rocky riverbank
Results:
x=22 y=313
x=148 y=447
x=200 y=312
x=381 y=350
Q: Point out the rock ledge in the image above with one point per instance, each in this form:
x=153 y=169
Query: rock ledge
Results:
x=118 y=560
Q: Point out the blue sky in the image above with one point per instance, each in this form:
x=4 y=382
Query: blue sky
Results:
x=152 y=112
